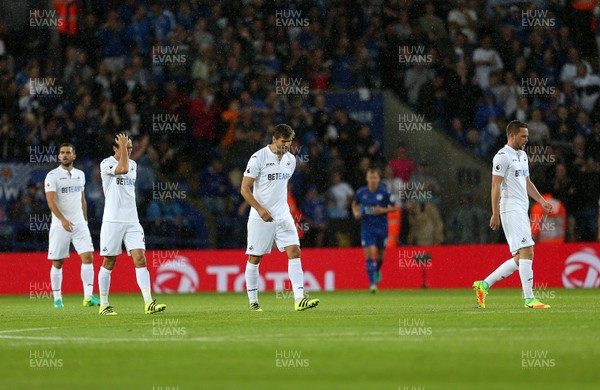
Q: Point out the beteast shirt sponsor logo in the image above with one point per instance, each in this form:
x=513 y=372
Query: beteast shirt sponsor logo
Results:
x=125 y=181
x=279 y=176
x=521 y=172
x=66 y=190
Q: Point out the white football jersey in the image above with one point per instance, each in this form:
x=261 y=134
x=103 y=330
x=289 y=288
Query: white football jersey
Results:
x=68 y=187
x=513 y=166
x=270 y=176
x=119 y=191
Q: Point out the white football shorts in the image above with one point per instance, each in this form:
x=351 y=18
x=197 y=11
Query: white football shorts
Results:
x=517 y=230
x=114 y=234
x=59 y=241
x=262 y=235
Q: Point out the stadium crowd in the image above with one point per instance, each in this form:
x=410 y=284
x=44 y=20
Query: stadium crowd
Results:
x=195 y=83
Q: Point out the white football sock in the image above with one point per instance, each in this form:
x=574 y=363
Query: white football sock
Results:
x=505 y=270
x=143 y=280
x=526 y=273
x=56 y=282
x=252 y=281
x=104 y=285
x=87 y=278
x=296 y=277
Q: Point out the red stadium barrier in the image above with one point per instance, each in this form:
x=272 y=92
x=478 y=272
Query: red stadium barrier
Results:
x=555 y=265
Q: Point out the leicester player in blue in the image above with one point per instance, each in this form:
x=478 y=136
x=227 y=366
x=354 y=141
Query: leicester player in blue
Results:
x=371 y=204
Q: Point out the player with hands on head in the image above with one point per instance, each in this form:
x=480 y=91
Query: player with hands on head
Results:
x=120 y=224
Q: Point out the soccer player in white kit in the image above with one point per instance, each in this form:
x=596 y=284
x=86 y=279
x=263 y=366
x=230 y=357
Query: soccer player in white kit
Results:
x=511 y=186
x=120 y=224
x=264 y=187
x=66 y=199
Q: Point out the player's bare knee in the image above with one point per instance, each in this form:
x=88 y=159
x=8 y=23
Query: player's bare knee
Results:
x=87 y=258
x=293 y=252
x=139 y=261
x=526 y=253
x=254 y=259
x=109 y=262
x=57 y=263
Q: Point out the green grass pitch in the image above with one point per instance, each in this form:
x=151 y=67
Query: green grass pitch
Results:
x=411 y=339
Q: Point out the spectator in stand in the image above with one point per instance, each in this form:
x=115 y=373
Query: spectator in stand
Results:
x=560 y=183
x=432 y=25
x=569 y=69
x=583 y=125
x=486 y=60
x=539 y=132
x=401 y=164
x=203 y=114
x=214 y=188
x=416 y=77
x=113 y=41
x=592 y=143
x=433 y=101
x=584 y=203
x=468 y=224
x=425 y=186
x=458 y=131
x=464 y=19
x=587 y=86
x=167 y=217
x=425 y=225
x=341 y=193
x=314 y=211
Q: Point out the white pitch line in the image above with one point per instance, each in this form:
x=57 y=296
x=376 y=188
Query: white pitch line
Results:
x=365 y=336
x=24 y=330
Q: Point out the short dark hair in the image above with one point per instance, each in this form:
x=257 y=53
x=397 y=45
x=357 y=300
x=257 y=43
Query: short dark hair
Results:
x=376 y=170
x=514 y=126
x=67 y=145
x=283 y=130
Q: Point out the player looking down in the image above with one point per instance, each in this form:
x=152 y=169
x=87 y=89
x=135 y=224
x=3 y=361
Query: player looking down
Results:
x=264 y=187
x=65 y=195
x=511 y=186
